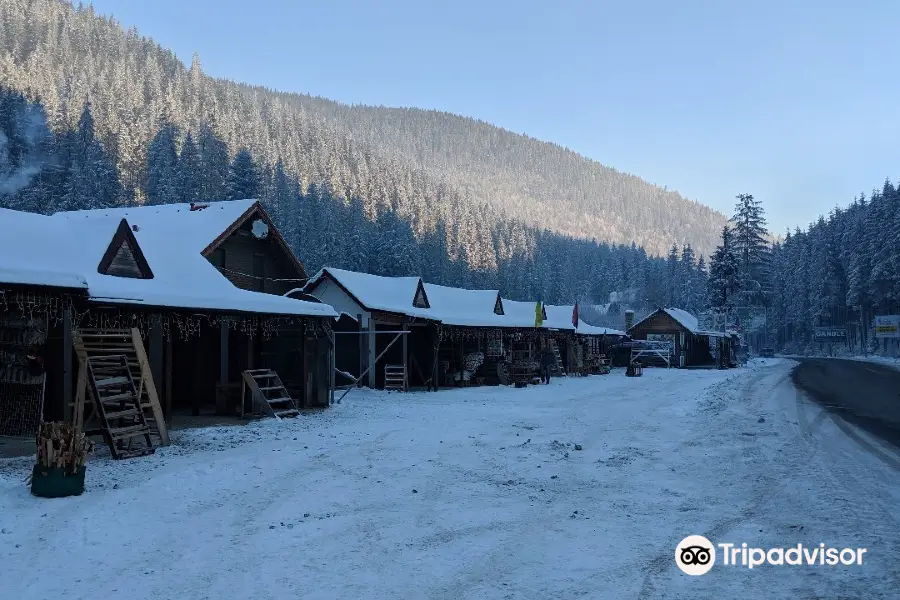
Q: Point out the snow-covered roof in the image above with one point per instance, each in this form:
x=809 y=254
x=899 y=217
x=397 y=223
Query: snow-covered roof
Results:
x=519 y=312
x=683 y=318
x=195 y=229
x=26 y=257
x=465 y=308
x=375 y=292
x=559 y=317
x=171 y=239
x=585 y=329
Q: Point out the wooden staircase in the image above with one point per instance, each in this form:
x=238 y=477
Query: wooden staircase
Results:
x=395 y=378
x=268 y=393
x=114 y=379
x=557 y=369
x=117 y=407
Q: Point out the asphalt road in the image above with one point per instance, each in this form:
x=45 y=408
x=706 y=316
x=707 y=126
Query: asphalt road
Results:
x=865 y=394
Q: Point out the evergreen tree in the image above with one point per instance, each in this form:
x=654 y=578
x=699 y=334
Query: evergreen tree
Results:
x=724 y=272
x=162 y=167
x=214 y=164
x=188 y=179
x=752 y=247
x=92 y=179
x=244 y=179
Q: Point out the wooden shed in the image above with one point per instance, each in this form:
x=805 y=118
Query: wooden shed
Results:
x=691 y=346
x=386 y=335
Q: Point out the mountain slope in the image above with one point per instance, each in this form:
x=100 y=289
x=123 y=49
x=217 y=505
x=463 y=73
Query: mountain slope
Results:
x=541 y=183
x=393 y=159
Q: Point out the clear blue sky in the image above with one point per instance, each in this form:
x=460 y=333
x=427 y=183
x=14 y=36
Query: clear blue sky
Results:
x=794 y=101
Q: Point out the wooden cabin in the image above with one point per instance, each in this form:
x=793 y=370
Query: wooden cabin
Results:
x=580 y=345
x=485 y=339
x=211 y=304
x=106 y=273
x=37 y=297
x=386 y=334
x=691 y=346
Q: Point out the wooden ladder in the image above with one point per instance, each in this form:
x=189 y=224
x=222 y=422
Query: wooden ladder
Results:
x=118 y=407
x=557 y=370
x=94 y=343
x=395 y=377
x=268 y=392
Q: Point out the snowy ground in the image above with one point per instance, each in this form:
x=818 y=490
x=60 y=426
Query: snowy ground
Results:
x=476 y=493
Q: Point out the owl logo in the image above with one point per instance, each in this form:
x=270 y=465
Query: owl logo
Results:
x=695 y=555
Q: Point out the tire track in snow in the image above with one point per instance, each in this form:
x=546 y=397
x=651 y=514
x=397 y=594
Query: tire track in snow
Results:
x=664 y=561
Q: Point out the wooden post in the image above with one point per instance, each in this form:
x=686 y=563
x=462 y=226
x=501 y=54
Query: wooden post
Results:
x=222 y=396
x=362 y=351
x=436 y=363
x=331 y=367
x=370 y=363
x=169 y=401
x=156 y=352
x=68 y=399
x=223 y=352
x=405 y=359
x=150 y=386
x=462 y=361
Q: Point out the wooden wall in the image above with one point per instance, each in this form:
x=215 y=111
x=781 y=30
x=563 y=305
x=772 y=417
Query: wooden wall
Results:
x=254 y=264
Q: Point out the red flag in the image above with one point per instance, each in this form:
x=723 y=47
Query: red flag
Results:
x=575 y=316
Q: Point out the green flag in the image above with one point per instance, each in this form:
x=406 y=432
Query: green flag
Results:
x=538 y=315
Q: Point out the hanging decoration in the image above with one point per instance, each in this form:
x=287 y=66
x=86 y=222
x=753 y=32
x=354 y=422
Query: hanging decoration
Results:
x=454 y=333
x=53 y=307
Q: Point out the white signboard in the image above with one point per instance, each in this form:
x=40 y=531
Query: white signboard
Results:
x=887 y=326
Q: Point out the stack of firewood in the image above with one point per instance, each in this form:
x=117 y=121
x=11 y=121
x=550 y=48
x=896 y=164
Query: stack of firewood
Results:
x=62 y=445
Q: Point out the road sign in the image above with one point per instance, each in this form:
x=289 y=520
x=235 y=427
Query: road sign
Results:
x=830 y=334
x=887 y=326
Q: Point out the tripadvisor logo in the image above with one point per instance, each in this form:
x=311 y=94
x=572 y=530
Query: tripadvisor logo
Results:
x=696 y=555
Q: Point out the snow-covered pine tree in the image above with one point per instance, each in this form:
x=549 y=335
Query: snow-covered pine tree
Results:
x=213 y=163
x=724 y=273
x=92 y=179
x=752 y=247
x=188 y=170
x=162 y=167
x=244 y=181
x=674 y=277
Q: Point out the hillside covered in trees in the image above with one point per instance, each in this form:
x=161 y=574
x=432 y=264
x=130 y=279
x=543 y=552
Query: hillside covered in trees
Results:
x=424 y=165
x=43 y=169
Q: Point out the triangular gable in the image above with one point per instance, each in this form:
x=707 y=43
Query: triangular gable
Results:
x=256 y=211
x=498 y=305
x=421 y=298
x=660 y=315
x=123 y=256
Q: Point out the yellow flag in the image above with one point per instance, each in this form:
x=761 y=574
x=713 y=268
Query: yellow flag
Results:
x=538 y=315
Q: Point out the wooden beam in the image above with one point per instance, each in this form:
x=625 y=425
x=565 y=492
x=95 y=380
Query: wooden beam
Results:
x=148 y=383
x=370 y=361
x=67 y=366
x=363 y=348
x=156 y=352
x=462 y=361
x=168 y=370
x=331 y=367
x=405 y=360
x=223 y=352
x=436 y=363
x=222 y=396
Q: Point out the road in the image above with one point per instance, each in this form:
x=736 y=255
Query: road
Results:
x=862 y=393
